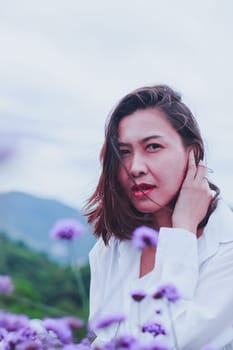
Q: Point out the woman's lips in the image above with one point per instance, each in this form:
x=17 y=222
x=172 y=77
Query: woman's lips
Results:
x=142 y=190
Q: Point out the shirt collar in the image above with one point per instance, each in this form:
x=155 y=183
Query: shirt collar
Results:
x=219 y=229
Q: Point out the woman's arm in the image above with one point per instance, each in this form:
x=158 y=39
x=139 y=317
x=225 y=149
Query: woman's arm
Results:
x=206 y=307
x=205 y=311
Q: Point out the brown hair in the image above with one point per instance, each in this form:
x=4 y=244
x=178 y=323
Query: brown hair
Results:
x=109 y=209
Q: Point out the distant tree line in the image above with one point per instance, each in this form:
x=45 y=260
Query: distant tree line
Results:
x=42 y=287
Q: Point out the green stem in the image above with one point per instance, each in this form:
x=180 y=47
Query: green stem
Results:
x=40 y=306
x=78 y=276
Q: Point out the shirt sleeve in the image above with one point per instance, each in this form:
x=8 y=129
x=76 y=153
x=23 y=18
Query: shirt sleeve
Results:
x=177 y=260
x=205 y=310
x=96 y=283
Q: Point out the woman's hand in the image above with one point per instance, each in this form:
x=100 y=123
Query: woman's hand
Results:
x=194 y=197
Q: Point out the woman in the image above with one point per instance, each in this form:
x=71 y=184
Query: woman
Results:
x=153 y=175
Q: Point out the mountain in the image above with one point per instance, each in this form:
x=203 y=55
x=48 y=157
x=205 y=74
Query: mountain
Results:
x=36 y=279
x=27 y=218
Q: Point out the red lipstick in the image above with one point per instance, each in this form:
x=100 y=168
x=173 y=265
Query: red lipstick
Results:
x=141 y=190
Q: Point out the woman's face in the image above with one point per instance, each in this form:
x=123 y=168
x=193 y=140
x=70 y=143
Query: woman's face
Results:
x=154 y=155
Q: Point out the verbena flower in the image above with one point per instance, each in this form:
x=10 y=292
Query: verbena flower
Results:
x=6 y=284
x=76 y=347
x=144 y=236
x=153 y=328
x=167 y=291
x=123 y=342
x=154 y=345
x=67 y=229
x=74 y=322
x=138 y=295
x=83 y=345
x=30 y=345
x=6 y=152
x=107 y=321
x=158 y=312
x=12 y=340
x=59 y=327
x=50 y=341
x=12 y=322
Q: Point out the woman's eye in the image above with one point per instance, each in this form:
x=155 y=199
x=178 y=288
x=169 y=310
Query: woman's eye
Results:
x=123 y=152
x=153 y=146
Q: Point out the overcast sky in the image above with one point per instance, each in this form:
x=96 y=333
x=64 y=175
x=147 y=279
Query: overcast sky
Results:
x=64 y=64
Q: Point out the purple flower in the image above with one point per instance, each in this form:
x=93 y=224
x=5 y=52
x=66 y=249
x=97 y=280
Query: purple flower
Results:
x=138 y=295
x=85 y=344
x=73 y=322
x=144 y=236
x=67 y=229
x=59 y=327
x=30 y=345
x=158 y=312
x=107 y=321
x=50 y=341
x=6 y=152
x=153 y=328
x=167 y=291
x=208 y=347
x=154 y=345
x=76 y=347
x=6 y=285
x=3 y=333
x=123 y=342
x=11 y=340
x=12 y=322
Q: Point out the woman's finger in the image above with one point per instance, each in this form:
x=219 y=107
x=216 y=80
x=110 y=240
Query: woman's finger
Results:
x=192 y=168
x=201 y=173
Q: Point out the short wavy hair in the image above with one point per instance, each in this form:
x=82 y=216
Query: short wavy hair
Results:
x=109 y=210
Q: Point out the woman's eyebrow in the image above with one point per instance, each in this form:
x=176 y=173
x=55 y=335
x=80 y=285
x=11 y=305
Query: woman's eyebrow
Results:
x=148 y=138
x=145 y=139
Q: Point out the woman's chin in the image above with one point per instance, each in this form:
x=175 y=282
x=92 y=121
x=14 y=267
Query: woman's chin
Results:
x=147 y=208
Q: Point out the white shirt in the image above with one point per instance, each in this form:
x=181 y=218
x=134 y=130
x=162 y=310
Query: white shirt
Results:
x=201 y=269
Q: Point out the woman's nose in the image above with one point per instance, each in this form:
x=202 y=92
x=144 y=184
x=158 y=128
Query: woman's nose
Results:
x=138 y=166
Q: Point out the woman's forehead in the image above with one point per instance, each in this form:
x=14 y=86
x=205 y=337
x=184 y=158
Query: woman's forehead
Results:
x=144 y=124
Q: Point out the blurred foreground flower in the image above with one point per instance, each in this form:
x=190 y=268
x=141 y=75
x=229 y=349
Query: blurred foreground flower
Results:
x=6 y=152
x=153 y=328
x=67 y=229
x=167 y=291
x=138 y=295
x=144 y=236
x=59 y=328
x=122 y=342
x=12 y=322
x=18 y=332
x=6 y=285
x=131 y=343
x=107 y=321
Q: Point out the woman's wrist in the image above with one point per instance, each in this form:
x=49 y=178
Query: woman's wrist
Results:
x=185 y=226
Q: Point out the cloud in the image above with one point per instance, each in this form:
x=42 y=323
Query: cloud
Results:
x=51 y=170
